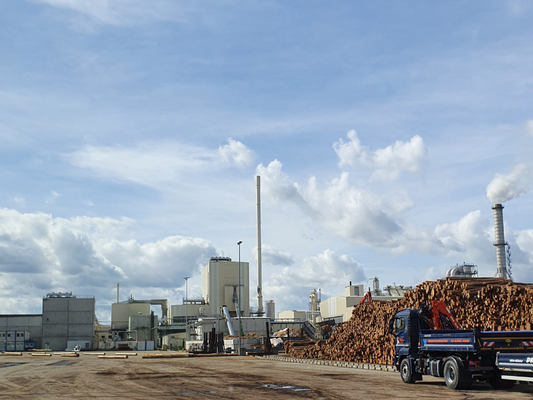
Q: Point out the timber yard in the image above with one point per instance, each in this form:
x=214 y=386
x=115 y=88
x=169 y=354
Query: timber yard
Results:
x=463 y=332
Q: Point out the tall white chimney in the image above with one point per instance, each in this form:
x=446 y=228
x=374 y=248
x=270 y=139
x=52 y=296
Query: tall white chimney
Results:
x=259 y=267
x=499 y=242
x=117 y=292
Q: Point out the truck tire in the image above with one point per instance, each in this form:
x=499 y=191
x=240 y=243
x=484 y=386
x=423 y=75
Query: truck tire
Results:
x=456 y=376
x=405 y=371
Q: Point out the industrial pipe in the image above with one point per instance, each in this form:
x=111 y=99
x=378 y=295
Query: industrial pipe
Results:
x=228 y=320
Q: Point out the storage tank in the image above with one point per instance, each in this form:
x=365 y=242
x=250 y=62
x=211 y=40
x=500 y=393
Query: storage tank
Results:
x=271 y=309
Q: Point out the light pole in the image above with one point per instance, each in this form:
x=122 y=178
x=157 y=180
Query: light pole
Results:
x=239 y=311
x=186 y=310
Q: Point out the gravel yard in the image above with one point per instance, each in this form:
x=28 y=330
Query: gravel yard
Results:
x=88 y=377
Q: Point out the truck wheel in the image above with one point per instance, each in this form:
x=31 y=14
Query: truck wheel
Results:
x=405 y=371
x=456 y=375
x=500 y=384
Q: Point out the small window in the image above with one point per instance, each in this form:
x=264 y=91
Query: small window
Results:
x=400 y=325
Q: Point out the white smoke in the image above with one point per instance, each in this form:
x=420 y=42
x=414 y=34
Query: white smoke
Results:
x=507 y=187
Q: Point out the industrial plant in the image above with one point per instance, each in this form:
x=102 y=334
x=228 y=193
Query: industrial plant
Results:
x=68 y=320
x=462 y=346
x=221 y=320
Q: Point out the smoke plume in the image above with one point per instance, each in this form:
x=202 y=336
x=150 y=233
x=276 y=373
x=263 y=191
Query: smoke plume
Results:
x=507 y=187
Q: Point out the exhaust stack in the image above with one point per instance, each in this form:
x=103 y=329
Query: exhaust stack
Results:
x=499 y=242
x=259 y=266
x=118 y=285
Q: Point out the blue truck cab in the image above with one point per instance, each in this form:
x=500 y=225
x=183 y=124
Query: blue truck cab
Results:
x=460 y=356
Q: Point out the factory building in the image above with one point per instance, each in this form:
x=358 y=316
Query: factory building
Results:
x=132 y=320
x=121 y=313
x=68 y=321
x=26 y=328
x=220 y=287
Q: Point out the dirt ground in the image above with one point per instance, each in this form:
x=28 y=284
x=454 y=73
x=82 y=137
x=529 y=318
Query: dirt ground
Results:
x=88 y=377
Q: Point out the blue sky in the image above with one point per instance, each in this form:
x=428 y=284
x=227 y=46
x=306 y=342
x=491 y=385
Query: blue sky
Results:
x=132 y=132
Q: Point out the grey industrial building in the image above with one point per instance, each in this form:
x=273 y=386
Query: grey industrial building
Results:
x=31 y=323
x=66 y=321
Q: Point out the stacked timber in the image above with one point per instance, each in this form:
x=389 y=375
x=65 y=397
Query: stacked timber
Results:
x=486 y=304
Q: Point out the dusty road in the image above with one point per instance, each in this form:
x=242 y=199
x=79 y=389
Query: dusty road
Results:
x=88 y=377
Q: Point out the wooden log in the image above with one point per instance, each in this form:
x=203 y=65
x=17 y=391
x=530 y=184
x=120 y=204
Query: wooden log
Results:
x=113 y=357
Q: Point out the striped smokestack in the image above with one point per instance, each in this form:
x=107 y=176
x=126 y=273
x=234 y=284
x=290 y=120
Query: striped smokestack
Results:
x=499 y=242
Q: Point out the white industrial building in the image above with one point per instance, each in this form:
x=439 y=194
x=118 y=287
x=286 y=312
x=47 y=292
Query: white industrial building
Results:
x=220 y=287
x=133 y=319
x=340 y=308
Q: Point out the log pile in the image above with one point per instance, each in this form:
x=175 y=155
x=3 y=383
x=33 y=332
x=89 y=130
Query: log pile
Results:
x=479 y=303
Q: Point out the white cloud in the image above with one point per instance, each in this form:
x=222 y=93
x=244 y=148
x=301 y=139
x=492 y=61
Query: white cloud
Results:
x=271 y=255
x=364 y=218
x=236 y=153
x=529 y=127
x=121 y=12
x=156 y=164
x=468 y=237
x=522 y=270
x=355 y=215
x=19 y=200
x=388 y=162
x=518 y=7
x=352 y=152
x=40 y=254
x=51 y=198
x=507 y=187
x=327 y=271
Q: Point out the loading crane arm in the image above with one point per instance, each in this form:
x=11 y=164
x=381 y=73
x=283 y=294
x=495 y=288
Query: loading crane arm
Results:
x=439 y=316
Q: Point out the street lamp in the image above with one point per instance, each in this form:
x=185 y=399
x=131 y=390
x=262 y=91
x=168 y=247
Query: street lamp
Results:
x=186 y=310
x=239 y=311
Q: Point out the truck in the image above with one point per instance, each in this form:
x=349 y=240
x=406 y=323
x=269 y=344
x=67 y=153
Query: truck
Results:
x=429 y=341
